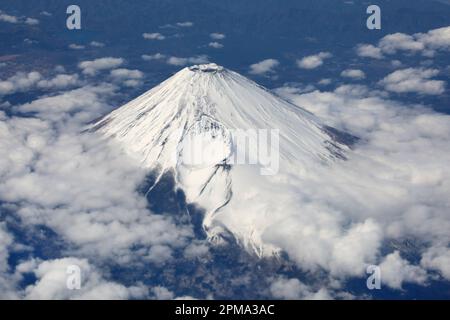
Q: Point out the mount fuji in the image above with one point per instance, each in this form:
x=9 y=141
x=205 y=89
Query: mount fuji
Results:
x=209 y=103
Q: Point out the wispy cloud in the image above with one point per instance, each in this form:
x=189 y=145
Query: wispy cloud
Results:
x=75 y=46
x=156 y=56
x=217 y=36
x=185 y=24
x=153 y=36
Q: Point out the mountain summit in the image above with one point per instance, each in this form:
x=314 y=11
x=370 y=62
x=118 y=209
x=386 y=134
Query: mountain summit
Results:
x=199 y=111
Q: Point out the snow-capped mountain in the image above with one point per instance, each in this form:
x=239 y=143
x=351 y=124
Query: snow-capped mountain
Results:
x=198 y=111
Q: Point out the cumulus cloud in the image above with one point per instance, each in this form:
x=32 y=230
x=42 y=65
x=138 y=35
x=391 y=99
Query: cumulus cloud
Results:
x=71 y=103
x=437 y=258
x=4 y=17
x=19 y=82
x=353 y=74
x=393 y=186
x=392 y=43
x=425 y=43
x=215 y=45
x=313 y=61
x=414 y=80
x=60 y=81
x=92 y=67
x=52 y=277
x=153 y=36
x=395 y=271
x=217 y=36
x=123 y=74
x=196 y=251
x=293 y=289
x=6 y=283
x=369 y=51
x=264 y=66
x=78 y=185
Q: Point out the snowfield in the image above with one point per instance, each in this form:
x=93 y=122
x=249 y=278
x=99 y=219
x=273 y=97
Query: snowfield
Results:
x=209 y=103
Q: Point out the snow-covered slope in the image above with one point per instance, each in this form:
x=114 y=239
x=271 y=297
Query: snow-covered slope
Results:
x=208 y=103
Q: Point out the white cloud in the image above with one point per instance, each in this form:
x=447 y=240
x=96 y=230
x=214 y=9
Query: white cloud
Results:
x=7 y=285
x=196 y=251
x=392 y=43
x=215 y=45
x=153 y=36
x=369 y=51
x=395 y=271
x=325 y=82
x=8 y=18
x=313 y=61
x=396 y=63
x=52 y=278
x=19 y=82
x=29 y=41
x=96 y=44
x=185 y=24
x=162 y=293
x=79 y=185
x=414 y=80
x=425 y=43
x=82 y=103
x=437 y=258
x=92 y=67
x=122 y=74
x=393 y=186
x=217 y=36
x=31 y=21
x=293 y=289
x=4 y=17
x=353 y=74
x=437 y=39
x=75 y=46
x=264 y=66
x=178 y=61
x=156 y=56
x=60 y=81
